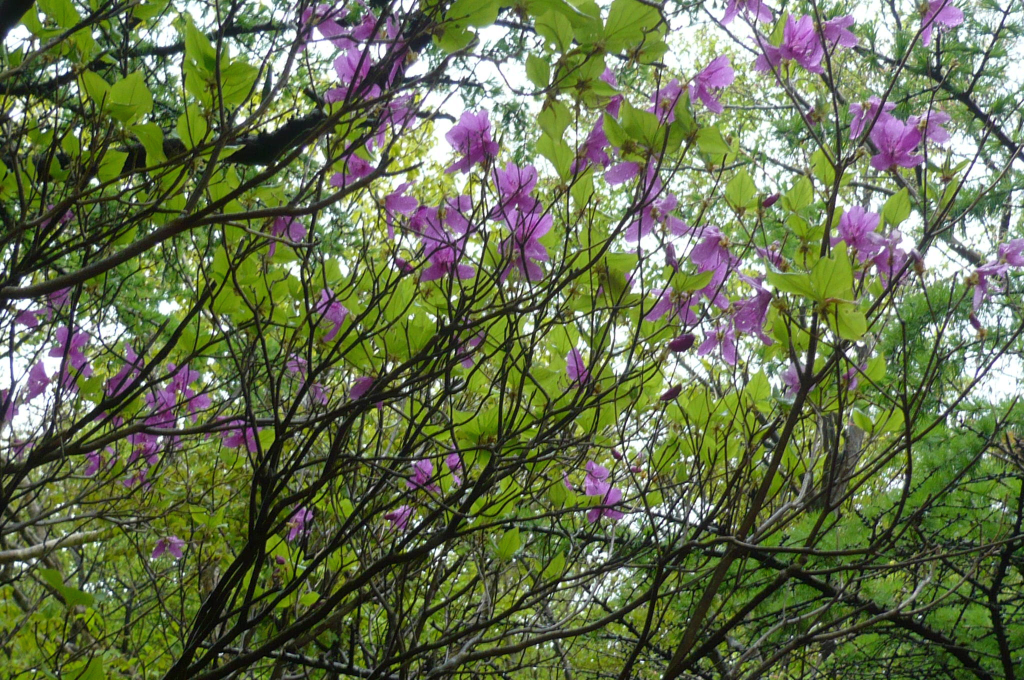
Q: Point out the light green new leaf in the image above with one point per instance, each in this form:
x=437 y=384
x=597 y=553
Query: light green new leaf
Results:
x=508 y=545
x=192 y=126
x=897 y=208
x=152 y=138
x=554 y=27
x=130 y=99
x=740 y=190
x=95 y=87
x=538 y=71
x=628 y=20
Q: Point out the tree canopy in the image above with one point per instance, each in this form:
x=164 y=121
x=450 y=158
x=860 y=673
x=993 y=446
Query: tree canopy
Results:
x=511 y=339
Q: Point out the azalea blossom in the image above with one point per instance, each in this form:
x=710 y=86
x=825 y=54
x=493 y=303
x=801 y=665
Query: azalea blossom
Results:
x=287 y=228
x=664 y=101
x=750 y=314
x=800 y=43
x=575 y=368
x=837 y=31
x=523 y=245
x=331 y=311
x=709 y=82
x=422 y=472
x=865 y=112
x=70 y=345
x=611 y=498
x=471 y=138
x=246 y=436
x=939 y=13
x=682 y=343
x=896 y=142
x=857 y=229
x=930 y=125
x=399 y=517
x=756 y=9
x=298 y=524
x=359 y=388
x=723 y=336
x=514 y=185
x=38 y=381
x=397 y=203
x=169 y=544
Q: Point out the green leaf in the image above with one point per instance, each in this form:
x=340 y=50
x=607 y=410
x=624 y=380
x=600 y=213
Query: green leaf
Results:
x=889 y=421
x=862 y=420
x=152 y=138
x=454 y=38
x=740 y=191
x=477 y=13
x=897 y=208
x=309 y=599
x=111 y=165
x=556 y=29
x=628 y=21
x=94 y=671
x=538 y=71
x=558 y=152
x=508 y=545
x=554 y=118
x=555 y=568
x=198 y=48
x=832 y=277
x=130 y=99
x=192 y=126
x=822 y=167
x=61 y=11
x=95 y=87
x=792 y=282
x=237 y=81
x=850 y=322
x=799 y=196
x=683 y=282
x=710 y=141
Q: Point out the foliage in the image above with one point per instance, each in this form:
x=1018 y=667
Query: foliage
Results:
x=514 y=338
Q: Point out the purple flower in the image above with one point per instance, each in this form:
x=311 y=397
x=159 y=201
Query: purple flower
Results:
x=710 y=81
x=471 y=137
x=930 y=125
x=170 y=544
x=38 y=381
x=596 y=482
x=353 y=68
x=616 y=101
x=398 y=203
x=891 y=259
x=857 y=229
x=895 y=141
x=724 y=337
x=95 y=462
x=800 y=43
x=575 y=368
x=356 y=168
x=70 y=345
x=751 y=313
x=422 y=472
x=680 y=304
x=359 y=388
x=325 y=19
x=1011 y=252
x=442 y=248
x=288 y=228
x=246 y=436
x=523 y=245
x=611 y=498
x=671 y=393
x=654 y=210
x=299 y=366
x=332 y=311
x=593 y=149
x=665 y=101
x=399 y=517
x=864 y=112
x=682 y=343
x=297 y=525
x=622 y=172
x=791 y=378
x=454 y=463
x=126 y=376
x=939 y=13
x=835 y=31
x=756 y=8
x=514 y=185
